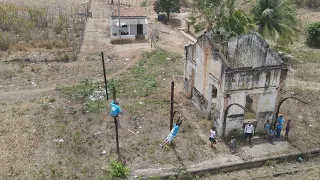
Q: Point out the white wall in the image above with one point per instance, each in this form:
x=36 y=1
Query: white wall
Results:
x=145 y=29
x=133 y=29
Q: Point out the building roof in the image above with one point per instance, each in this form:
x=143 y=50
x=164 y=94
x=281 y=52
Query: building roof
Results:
x=129 y=11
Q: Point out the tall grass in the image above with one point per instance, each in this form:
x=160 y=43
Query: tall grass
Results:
x=24 y=24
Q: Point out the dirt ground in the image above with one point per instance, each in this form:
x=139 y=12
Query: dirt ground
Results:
x=35 y=113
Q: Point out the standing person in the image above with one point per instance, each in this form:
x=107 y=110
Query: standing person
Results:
x=115 y=110
x=173 y=133
x=267 y=127
x=248 y=131
x=212 y=136
x=280 y=121
x=233 y=144
x=271 y=136
x=288 y=127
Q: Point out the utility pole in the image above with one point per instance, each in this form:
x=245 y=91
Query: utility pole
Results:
x=171 y=105
x=116 y=124
x=119 y=20
x=104 y=74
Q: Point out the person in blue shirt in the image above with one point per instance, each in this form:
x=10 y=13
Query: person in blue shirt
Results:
x=267 y=127
x=115 y=110
x=280 y=121
x=173 y=133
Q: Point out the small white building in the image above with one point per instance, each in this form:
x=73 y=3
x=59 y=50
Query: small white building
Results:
x=133 y=24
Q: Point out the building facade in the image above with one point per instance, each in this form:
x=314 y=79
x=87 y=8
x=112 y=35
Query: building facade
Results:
x=132 y=24
x=250 y=74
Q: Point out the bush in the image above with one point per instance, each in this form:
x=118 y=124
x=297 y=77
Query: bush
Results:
x=144 y=3
x=4 y=41
x=313 y=34
x=117 y=170
x=39 y=17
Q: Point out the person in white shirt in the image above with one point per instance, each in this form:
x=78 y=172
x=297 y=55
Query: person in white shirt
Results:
x=248 y=131
x=212 y=136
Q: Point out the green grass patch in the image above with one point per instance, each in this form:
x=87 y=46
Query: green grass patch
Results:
x=95 y=106
x=82 y=91
x=306 y=55
x=140 y=81
x=117 y=170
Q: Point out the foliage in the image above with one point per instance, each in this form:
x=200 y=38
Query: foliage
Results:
x=117 y=170
x=167 y=6
x=313 y=34
x=276 y=19
x=39 y=17
x=140 y=81
x=95 y=106
x=144 y=3
x=199 y=27
x=60 y=24
x=4 y=41
x=80 y=91
x=223 y=19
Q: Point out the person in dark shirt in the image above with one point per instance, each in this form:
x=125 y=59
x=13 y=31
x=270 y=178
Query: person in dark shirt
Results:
x=288 y=127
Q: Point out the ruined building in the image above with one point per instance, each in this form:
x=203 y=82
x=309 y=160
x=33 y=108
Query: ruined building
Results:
x=250 y=73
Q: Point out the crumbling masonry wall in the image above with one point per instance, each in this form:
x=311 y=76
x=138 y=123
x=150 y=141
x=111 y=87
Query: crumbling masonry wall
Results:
x=251 y=68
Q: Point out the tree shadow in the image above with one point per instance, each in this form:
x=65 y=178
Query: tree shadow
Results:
x=172 y=22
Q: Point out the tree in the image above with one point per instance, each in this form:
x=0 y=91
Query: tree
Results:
x=313 y=34
x=276 y=19
x=223 y=19
x=167 y=6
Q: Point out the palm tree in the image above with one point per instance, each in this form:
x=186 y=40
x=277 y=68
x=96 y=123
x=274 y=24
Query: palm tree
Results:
x=276 y=20
x=232 y=22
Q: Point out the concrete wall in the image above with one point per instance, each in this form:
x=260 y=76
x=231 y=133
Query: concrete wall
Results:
x=133 y=29
x=251 y=68
x=260 y=82
x=204 y=58
x=145 y=30
x=251 y=50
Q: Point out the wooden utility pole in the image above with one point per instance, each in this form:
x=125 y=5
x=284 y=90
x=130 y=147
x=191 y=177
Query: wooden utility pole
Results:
x=119 y=20
x=171 y=105
x=104 y=74
x=116 y=124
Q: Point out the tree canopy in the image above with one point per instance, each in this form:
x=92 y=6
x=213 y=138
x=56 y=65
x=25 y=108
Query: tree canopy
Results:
x=167 y=6
x=276 y=20
x=223 y=18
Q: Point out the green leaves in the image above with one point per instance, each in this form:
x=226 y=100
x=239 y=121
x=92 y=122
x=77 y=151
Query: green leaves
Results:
x=313 y=34
x=276 y=20
x=167 y=6
x=222 y=17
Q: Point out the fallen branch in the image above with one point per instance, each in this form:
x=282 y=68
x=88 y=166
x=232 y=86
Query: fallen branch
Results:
x=131 y=131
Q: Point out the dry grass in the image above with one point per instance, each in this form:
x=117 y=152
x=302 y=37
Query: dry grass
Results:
x=87 y=129
x=304 y=119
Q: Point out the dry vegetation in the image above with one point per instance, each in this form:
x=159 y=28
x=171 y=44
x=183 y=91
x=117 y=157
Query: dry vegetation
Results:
x=25 y=29
x=77 y=112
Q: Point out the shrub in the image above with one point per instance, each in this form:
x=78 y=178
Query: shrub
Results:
x=313 y=34
x=144 y=3
x=4 y=41
x=117 y=170
x=38 y=16
x=199 y=27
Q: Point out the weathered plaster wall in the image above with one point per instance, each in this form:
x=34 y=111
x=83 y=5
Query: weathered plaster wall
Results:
x=251 y=68
x=204 y=58
x=261 y=82
x=251 y=50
